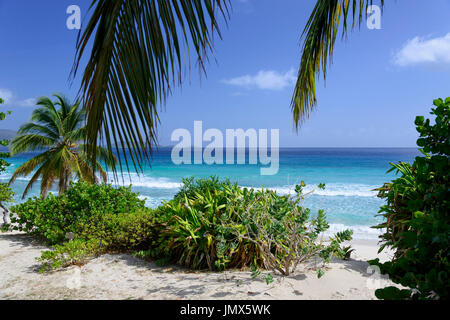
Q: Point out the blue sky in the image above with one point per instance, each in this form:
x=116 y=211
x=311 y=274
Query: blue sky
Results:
x=379 y=81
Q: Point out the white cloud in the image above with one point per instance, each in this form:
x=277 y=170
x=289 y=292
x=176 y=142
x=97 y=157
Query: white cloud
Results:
x=10 y=99
x=265 y=80
x=6 y=95
x=422 y=51
x=26 y=103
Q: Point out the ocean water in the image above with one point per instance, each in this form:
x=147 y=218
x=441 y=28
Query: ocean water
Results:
x=350 y=176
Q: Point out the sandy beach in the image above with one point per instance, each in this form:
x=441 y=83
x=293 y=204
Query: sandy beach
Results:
x=122 y=277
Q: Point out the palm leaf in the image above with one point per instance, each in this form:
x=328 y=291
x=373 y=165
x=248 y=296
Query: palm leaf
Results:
x=319 y=39
x=30 y=142
x=135 y=59
x=40 y=129
x=32 y=181
x=47 y=115
x=29 y=166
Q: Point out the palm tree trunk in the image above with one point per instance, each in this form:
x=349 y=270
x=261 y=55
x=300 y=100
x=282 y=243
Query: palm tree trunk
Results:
x=64 y=182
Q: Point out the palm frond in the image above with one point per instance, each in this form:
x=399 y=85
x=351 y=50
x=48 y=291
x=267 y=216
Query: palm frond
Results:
x=35 y=128
x=65 y=104
x=74 y=118
x=77 y=135
x=29 y=166
x=136 y=57
x=102 y=172
x=103 y=154
x=33 y=179
x=49 y=176
x=84 y=170
x=30 y=142
x=319 y=36
x=47 y=115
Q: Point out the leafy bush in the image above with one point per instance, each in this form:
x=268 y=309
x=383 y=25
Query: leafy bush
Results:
x=417 y=216
x=121 y=232
x=75 y=252
x=217 y=225
x=209 y=224
x=107 y=233
x=81 y=206
x=6 y=194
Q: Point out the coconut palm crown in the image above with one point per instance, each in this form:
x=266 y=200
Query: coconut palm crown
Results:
x=57 y=128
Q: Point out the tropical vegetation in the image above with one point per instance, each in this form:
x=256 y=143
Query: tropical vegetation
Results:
x=416 y=215
x=217 y=225
x=210 y=224
x=75 y=211
x=57 y=130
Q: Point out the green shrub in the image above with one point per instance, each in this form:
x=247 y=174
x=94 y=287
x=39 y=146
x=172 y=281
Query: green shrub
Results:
x=6 y=194
x=121 y=232
x=107 y=233
x=217 y=225
x=192 y=186
x=83 y=204
x=209 y=224
x=75 y=252
x=417 y=216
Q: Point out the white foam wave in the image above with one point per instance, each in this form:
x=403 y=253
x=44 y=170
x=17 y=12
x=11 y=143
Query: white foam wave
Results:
x=149 y=182
x=332 y=190
x=359 y=232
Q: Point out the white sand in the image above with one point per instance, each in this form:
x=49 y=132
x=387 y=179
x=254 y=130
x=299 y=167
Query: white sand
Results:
x=125 y=277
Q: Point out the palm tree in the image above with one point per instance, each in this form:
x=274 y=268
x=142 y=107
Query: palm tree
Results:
x=137 y=56
x=58 y=132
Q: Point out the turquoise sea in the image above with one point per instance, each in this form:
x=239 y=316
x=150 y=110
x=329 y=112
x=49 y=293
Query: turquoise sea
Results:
x=350 y=175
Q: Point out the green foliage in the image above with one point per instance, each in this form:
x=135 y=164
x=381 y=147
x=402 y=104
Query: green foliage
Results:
x=105 y=233
x=320 y=273
x=75 y=252
x=335 y=248
x=417 y=215
x=209 y=224
x=120 y=232
x=269 y=279
x=217 y=225
x=6 y=194
x=192 y=186
x=76 y=211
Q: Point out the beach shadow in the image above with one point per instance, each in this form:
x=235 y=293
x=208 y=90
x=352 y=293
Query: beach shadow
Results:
x=298 y=277
x=359 y=266
x=22 y=240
